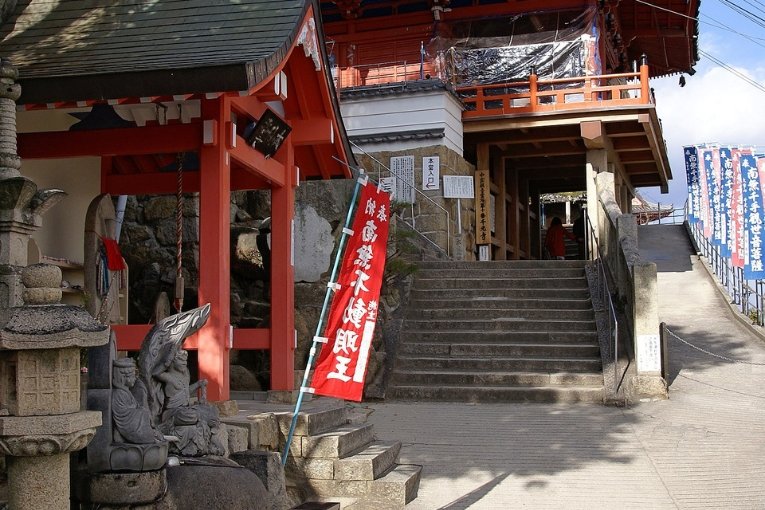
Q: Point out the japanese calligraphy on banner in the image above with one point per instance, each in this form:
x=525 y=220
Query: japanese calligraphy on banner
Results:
x=402 y=167
x=737 y=212
x=342 y=364
x=431 y=173
x=482 y=202
x=692 y=178
x=713 y=197
x=753 y=176
x=726 y=199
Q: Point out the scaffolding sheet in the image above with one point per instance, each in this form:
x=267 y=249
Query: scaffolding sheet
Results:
x=562 y=44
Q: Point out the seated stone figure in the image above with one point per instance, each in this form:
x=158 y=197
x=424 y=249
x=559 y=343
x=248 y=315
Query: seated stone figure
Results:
x=130 y=412
x=196 y=424
x=164 y=369
x=127 y=440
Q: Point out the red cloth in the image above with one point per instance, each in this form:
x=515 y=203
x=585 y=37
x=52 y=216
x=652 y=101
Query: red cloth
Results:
x=114 y=259
x=554 y=241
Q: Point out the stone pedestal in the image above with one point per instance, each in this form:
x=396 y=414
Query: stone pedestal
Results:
x=35 y=482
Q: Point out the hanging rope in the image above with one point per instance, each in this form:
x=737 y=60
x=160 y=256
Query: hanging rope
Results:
x=179 y=284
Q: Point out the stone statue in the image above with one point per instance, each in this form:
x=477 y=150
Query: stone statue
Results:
x=163 y=368
x=130 y=412
x=128 y=440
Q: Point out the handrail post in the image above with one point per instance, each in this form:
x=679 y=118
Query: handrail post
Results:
x=533 y=88
x=644 y=85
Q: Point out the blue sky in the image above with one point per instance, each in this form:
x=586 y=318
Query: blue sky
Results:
x=715 y=105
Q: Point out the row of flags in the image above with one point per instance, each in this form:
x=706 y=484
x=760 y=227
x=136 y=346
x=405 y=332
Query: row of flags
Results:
x=725 y=201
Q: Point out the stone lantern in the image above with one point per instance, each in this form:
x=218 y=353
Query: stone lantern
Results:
x=40 y=420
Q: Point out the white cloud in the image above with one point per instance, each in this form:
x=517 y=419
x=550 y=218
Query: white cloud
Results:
x=714 y=106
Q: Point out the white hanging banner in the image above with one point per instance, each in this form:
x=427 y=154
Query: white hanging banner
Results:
x=431 y=170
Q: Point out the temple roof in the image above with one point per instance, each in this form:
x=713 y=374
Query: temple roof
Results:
x=98 y=50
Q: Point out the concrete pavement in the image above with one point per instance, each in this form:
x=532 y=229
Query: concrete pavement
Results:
x=703 y=448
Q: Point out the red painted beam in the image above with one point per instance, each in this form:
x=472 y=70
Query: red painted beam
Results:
x=252 y=338
x=312 y=132
x=155 y=183
x=110 y=142
x=214 y=257
x=242 y=179
x=267 y=168
x=282 y=278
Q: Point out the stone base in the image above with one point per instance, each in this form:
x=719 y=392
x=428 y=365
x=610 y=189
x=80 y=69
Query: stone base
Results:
x=647 y=387
x=286 y=397
x=268 y=467
x=118 y=489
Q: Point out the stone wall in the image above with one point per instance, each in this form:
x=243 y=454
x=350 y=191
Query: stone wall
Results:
x=428 y=218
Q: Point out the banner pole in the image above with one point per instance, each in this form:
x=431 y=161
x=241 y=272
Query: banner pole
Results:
x=362 y=179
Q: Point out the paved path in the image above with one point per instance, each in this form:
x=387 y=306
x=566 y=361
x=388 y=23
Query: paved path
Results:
x=703 y=448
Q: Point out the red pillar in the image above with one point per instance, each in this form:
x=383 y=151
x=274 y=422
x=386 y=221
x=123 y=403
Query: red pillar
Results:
x=214 y=257
x=282 y=276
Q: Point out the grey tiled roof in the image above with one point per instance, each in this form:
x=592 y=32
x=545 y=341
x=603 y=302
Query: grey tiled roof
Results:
x=387 y=89
x=166 y=42
x=400 y=136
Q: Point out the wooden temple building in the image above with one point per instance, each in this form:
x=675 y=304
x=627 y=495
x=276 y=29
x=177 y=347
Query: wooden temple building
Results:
x=528 y=97
x=539 y=96
x=217 y=80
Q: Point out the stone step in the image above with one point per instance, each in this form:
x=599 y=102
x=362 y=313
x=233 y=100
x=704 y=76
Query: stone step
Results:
x=581 y=292
x=485 y=302
x=335 y=444
x=487 y=337
x=324 y=415
x=370 y=463
x=496 y=364
x=504 y=283
x=497 y=394
x=499 y=324
x=553 y=350
x=502 y=264
x=393 y=490
x=503 y=379
x=501 y=273
x=499 y=313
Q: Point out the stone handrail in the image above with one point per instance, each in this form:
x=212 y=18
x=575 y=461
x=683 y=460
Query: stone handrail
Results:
x=635 y=280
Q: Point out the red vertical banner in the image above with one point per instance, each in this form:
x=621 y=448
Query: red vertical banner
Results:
x=342 y=364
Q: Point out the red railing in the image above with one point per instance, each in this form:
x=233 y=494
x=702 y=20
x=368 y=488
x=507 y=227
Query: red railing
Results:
x=383 y=72
x=535 y=96
x=519 y=97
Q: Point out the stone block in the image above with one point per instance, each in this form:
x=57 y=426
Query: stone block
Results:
x=251 y=427
x=238 y=439
x=647 y=387
x=122 y=488
x=268 y=429
x=98 y=448
x=315 y=469
x=268 y=468
x=368 y=464
x=41 y=382
x=338 y=443
x=226 y=407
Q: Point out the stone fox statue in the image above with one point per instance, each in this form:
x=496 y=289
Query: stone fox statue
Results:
x=162 y=365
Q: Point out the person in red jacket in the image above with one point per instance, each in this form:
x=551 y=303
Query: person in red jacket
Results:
x=554 y=241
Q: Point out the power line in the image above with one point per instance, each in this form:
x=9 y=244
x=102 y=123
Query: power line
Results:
x=732 y=70
x=716 y=23
x=744 y=12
